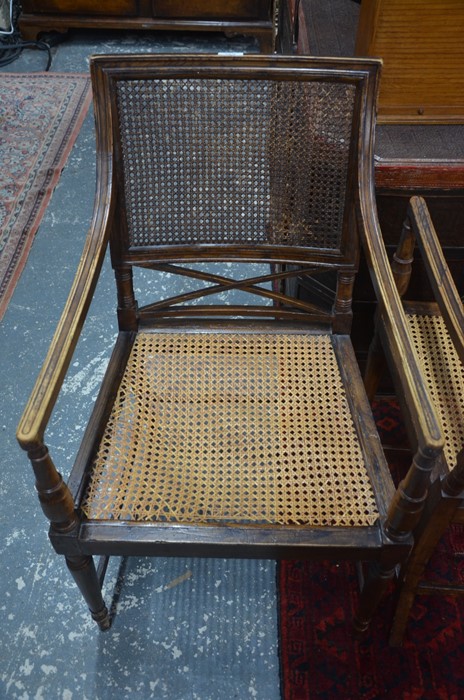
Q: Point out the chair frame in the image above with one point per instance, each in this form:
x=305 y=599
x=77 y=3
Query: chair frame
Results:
x=385 y=543
x=444 y=502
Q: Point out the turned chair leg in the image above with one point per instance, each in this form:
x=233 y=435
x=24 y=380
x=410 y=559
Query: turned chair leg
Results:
x=58 y=505
x=443 y=499
x=85 y=575
x=373 y=590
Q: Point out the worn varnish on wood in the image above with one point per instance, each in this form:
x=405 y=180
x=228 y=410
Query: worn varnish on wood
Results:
x=238 y=429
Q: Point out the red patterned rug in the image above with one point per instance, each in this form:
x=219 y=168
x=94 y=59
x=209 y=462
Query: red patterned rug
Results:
x=40 y=117
x=320 y=658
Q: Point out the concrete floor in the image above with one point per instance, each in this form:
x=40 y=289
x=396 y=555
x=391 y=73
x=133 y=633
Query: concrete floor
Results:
x=184 y=629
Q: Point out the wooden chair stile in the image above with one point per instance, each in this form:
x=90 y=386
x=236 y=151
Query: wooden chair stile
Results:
x=232 y=429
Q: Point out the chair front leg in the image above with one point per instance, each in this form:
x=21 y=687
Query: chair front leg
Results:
x=54 y=496
x=58 y=505
x=84 y=573
x=443 y=499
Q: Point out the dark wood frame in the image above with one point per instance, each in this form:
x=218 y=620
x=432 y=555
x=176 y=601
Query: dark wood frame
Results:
x=385 y=543
x=259 y=19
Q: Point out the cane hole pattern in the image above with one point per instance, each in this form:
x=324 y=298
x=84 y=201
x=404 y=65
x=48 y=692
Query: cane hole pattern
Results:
x=231 y=428
x=235 y=161
x=444 y=375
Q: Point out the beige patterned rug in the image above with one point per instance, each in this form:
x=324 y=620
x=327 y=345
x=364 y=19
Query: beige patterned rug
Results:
x=40 y=117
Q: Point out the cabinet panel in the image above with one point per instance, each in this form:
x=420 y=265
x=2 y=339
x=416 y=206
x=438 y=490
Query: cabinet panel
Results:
x=110 y=8
x=211 y=9
x=258 y=18
x=421 y=44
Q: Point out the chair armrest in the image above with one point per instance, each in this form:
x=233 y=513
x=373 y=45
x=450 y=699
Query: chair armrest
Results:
x=34 y=420
x=438 y=272
x=392 y=317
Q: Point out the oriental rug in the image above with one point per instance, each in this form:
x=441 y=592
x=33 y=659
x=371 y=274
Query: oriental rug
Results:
x=40 y=117
x=321 y=659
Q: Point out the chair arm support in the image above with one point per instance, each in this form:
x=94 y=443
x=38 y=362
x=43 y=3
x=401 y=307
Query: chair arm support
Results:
x=438 y=272
x=392 y=317
x=34 y=420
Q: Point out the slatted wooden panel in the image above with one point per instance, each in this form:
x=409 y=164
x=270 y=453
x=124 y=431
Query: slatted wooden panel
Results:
x=422 y=45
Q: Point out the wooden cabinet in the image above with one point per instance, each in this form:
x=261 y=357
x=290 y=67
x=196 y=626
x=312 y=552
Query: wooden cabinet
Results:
x=204 y=9
x=421 y=43
x=257 y=18
x=81 y=7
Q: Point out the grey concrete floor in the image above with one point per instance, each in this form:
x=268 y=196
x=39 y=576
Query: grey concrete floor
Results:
x=183 y=629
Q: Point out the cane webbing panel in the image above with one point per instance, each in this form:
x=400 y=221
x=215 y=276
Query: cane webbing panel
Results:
x=226 y=427
x=235 y=161
x=444 y=375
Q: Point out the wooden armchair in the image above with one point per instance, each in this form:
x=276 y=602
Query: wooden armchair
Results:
x=437 y=330
x=238 y=430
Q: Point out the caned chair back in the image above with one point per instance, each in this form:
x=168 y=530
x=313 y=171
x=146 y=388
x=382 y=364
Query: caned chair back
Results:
x=258 y=167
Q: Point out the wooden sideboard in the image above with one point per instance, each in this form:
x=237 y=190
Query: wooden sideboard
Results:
x=258 y=18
